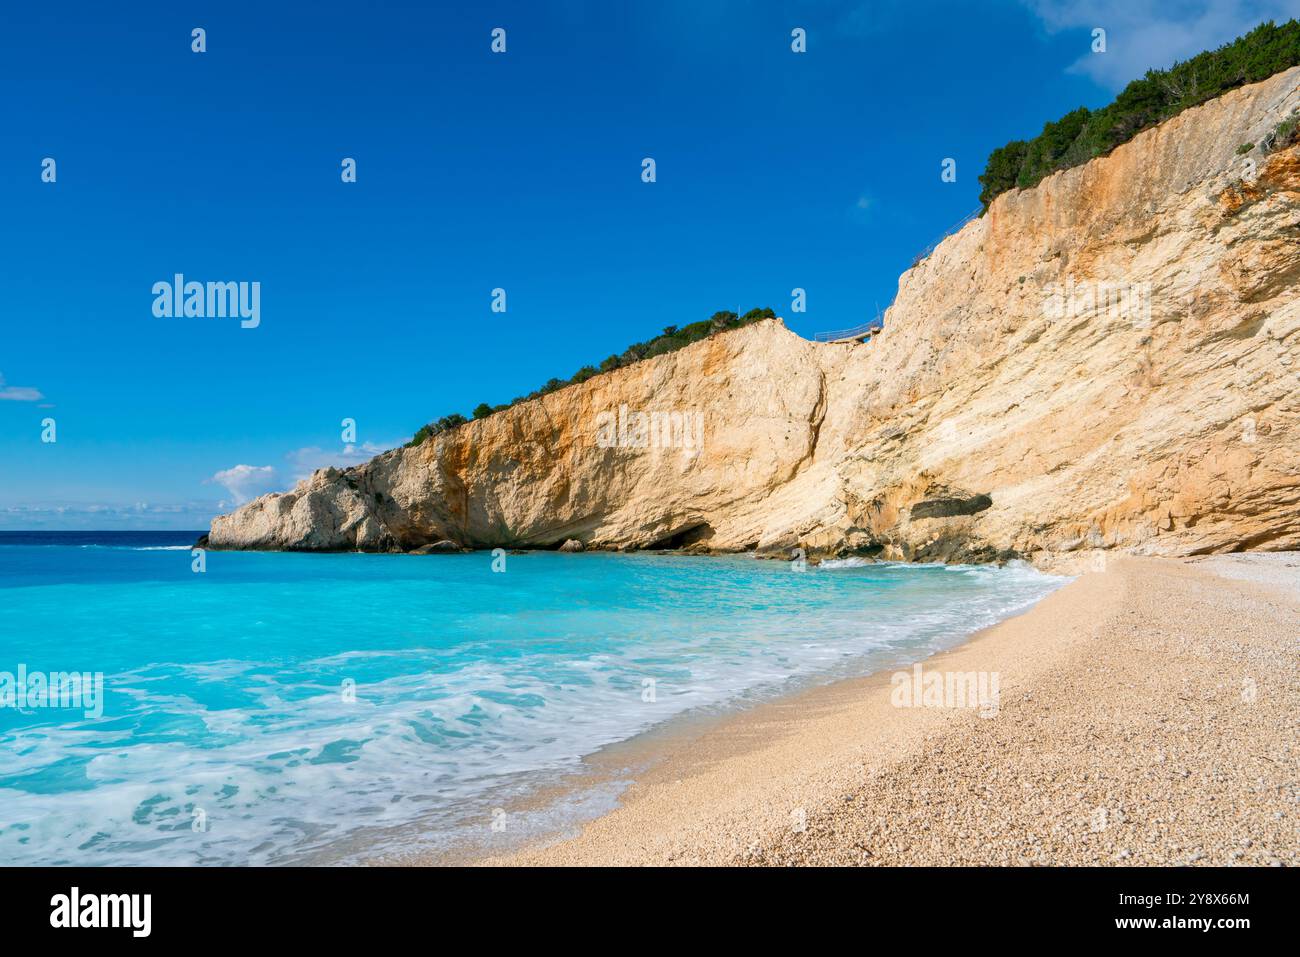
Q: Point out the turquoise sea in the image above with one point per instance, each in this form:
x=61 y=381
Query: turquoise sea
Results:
x=302 y=708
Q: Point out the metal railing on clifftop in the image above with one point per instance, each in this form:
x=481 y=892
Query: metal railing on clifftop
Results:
x=864 y=331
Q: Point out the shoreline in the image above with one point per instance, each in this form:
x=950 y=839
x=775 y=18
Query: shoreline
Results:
x=551 y=811
x=1123 y=735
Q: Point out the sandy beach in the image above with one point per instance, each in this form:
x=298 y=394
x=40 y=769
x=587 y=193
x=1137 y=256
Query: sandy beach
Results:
x=1145 y=714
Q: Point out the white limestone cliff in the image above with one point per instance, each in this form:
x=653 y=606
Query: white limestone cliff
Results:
x=997 y=414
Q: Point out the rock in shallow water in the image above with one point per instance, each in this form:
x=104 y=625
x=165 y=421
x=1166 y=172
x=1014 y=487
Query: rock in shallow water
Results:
x=436 y=548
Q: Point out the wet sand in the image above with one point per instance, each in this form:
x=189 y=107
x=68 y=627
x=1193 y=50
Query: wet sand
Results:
x=1146 y=714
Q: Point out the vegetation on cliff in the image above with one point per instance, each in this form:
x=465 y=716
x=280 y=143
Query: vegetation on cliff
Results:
x=1083 y=134
x=670 y=340
x=1286 y=133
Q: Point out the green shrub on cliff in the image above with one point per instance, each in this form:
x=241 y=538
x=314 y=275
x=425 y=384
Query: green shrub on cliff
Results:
x=1286 y=133
x=1083 y=134
x=445 y=424
x=671 y=340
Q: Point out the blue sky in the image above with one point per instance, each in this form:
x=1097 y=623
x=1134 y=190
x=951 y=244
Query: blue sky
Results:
x=475 y=170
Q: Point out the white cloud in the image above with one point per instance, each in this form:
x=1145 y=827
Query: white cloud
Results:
x=246 y=482
x=1153 y=34
x=861 y=210
x=18 y=393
